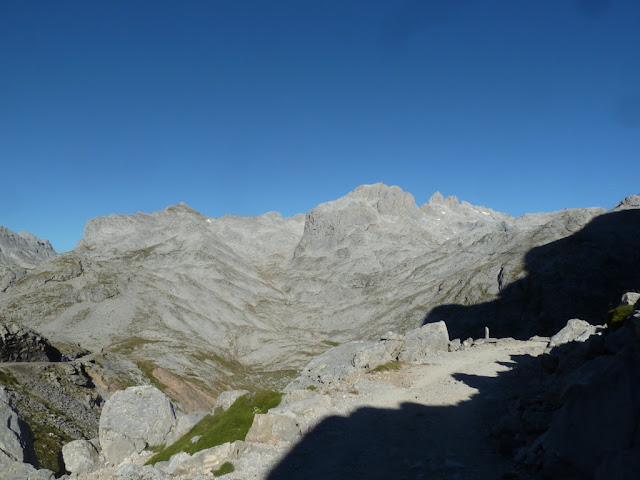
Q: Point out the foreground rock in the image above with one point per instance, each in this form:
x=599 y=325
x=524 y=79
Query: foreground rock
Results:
x=80 y=456
x=17 y=457
x=134 y=419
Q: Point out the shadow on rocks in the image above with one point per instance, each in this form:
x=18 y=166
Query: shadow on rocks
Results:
x=417 y=441
x=580 y=276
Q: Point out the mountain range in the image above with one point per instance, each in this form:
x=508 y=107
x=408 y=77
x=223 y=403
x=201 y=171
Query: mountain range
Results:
x=218 y=302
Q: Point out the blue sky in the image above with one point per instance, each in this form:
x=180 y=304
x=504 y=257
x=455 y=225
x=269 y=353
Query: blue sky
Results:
x=245 y=107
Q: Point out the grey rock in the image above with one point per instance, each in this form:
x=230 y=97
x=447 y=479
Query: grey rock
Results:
x=11 y=432
x=428 y=339
x=184 y=423
x=21 y=344
x=80 y=456
x=205 y=461
x=455 y=344
x=272 y=428
x=311 y=406
x=576 y=330
x=372 y=355
x=340 y=364
x=14 y=470
x=630 y=298
x=632 y=201
x=228 y=398
x=131 y=471
x=19 y=253
x=598 y=421
x=133 y=419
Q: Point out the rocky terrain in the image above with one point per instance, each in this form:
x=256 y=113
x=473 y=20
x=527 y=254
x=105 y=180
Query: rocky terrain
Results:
x=19 y=253
x=207 y=303
x=197 y=305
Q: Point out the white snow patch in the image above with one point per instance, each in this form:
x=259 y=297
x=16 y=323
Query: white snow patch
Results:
x=208 y=220
x=486 y=213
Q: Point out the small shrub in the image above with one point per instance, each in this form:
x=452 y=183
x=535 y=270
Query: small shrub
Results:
x=226 y=467
x=617 y=316
x=386 y=367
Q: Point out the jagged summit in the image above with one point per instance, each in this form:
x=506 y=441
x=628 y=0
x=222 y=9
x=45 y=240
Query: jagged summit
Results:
x=632 y=201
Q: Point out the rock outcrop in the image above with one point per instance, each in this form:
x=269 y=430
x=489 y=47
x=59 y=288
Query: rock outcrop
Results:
x=21 y=344
x=134 y=419
x=19 y=253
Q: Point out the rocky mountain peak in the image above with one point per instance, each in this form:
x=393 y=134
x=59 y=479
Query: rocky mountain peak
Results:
x=632 y=201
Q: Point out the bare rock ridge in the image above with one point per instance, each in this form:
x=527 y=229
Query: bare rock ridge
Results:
x=19 y=253
x=232 y=301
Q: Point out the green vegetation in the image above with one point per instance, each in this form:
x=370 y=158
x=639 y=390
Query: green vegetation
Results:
x=617 y=316
x=226 y=467
x=312 y=387
x=129 y=345
x=228 y=426
x=48 y=442
x=7 y=379
x=386 y=367
x=331 y=343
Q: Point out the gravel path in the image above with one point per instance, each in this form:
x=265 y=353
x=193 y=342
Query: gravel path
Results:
x=430 y=421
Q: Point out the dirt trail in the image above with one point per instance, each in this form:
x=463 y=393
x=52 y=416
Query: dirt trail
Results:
x=430 y=421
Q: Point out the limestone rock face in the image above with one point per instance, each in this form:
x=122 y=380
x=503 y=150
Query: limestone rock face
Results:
x=80 y=456
x=205 y=461
x=429 y=339
x=12 y=441
x=272 y=428
x=21 y=344
x=630 y=298
x=576 y=330
x=20 y=252
x=133 y=419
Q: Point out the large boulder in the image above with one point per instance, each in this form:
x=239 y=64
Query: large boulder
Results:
x=273 y=428
x=575 y=330
x=15 y=436
x=21 y=344
x=80 y=456
x=426 y=340
x=630 y=298
x=134 y=419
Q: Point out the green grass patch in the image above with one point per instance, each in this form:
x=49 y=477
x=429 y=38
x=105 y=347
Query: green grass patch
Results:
x=228 y=426
x=48 y=442
x=331 y=343
x=617 y=316
x=130 y=345
x=312 y=388
x=388 y=367
x=7 y=379
x=226 y=467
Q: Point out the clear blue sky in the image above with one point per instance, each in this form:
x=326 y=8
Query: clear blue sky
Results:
x=246 y=107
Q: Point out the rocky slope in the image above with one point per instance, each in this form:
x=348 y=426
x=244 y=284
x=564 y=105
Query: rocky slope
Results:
x=204 y=303
x=19 y=253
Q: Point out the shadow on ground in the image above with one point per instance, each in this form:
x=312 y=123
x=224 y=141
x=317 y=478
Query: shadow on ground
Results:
x=416 y=441
x=580 y=276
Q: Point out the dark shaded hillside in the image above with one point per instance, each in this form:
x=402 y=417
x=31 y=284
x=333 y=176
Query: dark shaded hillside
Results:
x=580 y=276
